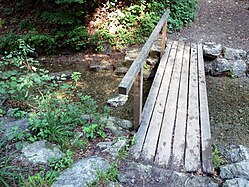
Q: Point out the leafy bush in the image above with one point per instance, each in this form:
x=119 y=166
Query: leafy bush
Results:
x=21 y=78
x=8 y=42
x=59 y=164
x=57 y=119
x=62 y=24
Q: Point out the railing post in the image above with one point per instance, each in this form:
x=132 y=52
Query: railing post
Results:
x=138 y=98
x=163 y=41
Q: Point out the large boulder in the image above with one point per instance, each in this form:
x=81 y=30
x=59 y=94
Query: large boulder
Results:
x=113 y=147
x=212 y=50
x=41 y=152
x=237 y=182
x=234 y=153
x=235 y=170
x=20 y=126
x=82 y=173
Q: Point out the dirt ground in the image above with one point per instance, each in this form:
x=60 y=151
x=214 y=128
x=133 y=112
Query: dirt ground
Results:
x=221 y=21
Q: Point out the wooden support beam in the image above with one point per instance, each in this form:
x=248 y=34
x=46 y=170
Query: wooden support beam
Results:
x=138 y=98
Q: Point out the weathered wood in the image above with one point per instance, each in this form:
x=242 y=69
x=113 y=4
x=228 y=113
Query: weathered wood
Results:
x=181 y=114
x=138 y=98
x=192 y=157
x=127 y=81
x=206 y=151
x=165 y=139
x=150 y=144
x=149 y=104
x=163 y=40
x=175 y=129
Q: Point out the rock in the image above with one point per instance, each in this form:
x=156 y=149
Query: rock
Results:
x=131 y=55
x=152 y=61
x=82 y=173
x=234 y=54
x=211 y=50
x=41 y=152
x=88 y=118
x=22 y=125
x=117 y=131
x=101 y=66
x=235 y=170
x=121 y=71
x=221 y=66
x=200 y=181
x=118 y=101
x=237 y=182
x=115 y=184
x=123 y=123
x=235 y=153
x=148 y=175
x=61 y=75
x=155 y=49
x=239 y=68
x=112 y=148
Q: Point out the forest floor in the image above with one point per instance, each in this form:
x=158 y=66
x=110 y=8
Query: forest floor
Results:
x=223 y=22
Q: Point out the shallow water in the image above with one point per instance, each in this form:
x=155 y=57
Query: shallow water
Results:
x=228 y=100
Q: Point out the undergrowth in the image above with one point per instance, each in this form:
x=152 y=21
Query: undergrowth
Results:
x=71 y=25
x=55 y=110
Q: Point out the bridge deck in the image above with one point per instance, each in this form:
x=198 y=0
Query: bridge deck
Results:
x=174 y=130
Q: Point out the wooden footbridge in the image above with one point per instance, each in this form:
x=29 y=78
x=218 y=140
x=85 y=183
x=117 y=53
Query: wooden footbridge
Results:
x=173 y=126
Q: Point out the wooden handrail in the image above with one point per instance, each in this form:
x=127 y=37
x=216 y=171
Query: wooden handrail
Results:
x=135 y=72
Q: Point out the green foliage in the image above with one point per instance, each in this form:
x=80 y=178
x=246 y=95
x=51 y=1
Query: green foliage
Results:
x=40 y=179
x=21 y=78
x=17 y=135
x=94 y=131
x=58 y=117
x=16 y=113
x=61 y=18
x=8 y=42
x=62 y=25
x=59 y=164
x=134 y=23
x=7 y=172
x=104 y=178
x=182 y=13
x=217 y=158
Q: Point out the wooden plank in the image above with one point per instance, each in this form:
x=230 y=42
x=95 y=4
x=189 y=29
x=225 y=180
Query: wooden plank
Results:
x=206 y=151
x=150 y=144
x=149 y=105
x=126 y=83
x=192 y=155
x=138 y=96
x=181 y=114
x=165 y=140
x=163 y=40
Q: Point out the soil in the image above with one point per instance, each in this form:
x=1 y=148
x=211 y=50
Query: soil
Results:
x=224 y=21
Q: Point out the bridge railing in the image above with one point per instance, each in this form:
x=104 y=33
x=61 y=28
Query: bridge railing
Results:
x=135 y=72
